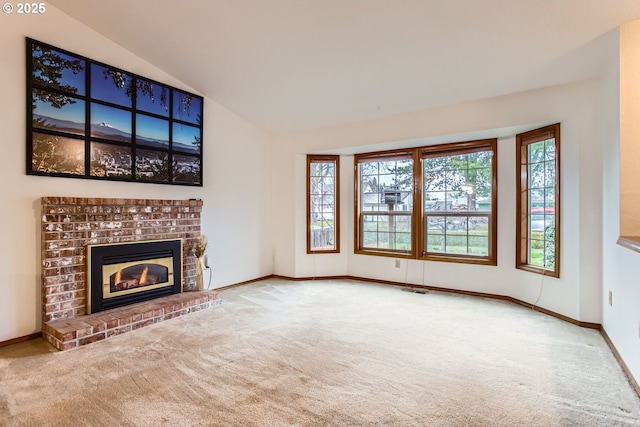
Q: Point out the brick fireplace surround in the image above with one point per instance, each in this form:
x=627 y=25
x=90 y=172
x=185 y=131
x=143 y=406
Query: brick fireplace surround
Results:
x=69 y=224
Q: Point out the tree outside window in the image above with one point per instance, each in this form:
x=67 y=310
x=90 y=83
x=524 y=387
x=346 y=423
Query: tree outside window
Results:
x=323 y=174
x=458 y=201
x=538 y=201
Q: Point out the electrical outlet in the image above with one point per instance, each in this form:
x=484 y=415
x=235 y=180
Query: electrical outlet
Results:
x=610 y=298
x=397 y=263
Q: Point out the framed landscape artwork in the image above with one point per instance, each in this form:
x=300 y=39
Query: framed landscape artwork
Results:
x=86 y=119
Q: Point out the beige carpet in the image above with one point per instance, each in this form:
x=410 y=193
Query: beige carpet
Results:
x=331 y=353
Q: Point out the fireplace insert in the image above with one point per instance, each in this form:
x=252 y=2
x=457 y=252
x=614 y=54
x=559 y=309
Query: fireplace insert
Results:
x=126 y=273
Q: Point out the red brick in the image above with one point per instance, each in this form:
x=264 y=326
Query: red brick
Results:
x=142 y=324
x=92 y=339
x=118 y=331
x=68 y=345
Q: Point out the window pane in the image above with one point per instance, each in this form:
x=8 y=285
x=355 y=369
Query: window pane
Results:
x=434 y=201
x=456 y=244
x=436 y=224
x=387 y=232
x=550 y=199
x=536 y=152
x=541 y=197
x=549 y=174
x=322 y=238
x=435 y=243
x=550 y=149
x=480 y=225
x=386 y=186
x=536 y=175
x=458 y=184
x=536 y=199
x=478 y=245
x=322 y=205
x=457 y=223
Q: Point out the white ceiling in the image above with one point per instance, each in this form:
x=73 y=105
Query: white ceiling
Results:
x=289 y=65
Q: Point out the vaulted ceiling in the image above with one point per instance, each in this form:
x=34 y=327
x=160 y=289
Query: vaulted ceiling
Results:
x=289 y=65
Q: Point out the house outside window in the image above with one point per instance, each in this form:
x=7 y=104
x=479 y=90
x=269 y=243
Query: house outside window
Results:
x=385 y=203
x=434 y=203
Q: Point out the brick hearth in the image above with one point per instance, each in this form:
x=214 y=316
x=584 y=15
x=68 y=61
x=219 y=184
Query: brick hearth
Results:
x=69 y=224
x=68 y=334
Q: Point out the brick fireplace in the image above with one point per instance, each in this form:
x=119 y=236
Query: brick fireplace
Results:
x=70 y=224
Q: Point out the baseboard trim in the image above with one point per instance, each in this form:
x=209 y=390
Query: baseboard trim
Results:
x=21 y=339
x=623 y=365
x=246 y=282
x=571 y=320
x=304 y=279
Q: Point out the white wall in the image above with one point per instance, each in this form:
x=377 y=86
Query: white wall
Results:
x=576 y=294
x=621 y=266
x=237 y=171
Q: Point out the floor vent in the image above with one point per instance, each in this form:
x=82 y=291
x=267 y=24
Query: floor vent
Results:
x=416 y=290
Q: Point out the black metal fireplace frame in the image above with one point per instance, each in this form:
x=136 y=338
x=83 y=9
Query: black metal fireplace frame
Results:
x=99 y=255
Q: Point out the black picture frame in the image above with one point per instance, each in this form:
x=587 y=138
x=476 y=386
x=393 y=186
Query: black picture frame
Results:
x=87 y=119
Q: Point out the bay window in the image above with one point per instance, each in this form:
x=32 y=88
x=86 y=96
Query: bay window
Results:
x=434 y=203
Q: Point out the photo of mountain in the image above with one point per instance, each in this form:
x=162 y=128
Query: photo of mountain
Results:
x=44 y=122
x=92 y=120
x=151 y=131
x=110 y=123
x=63 y=113
x=186 y=138
x=106 y=131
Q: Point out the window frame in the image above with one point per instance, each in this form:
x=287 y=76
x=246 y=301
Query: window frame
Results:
x=452 y=149
x=418 y=243
x=358 y=237
x=523 y=140
x=326 y=158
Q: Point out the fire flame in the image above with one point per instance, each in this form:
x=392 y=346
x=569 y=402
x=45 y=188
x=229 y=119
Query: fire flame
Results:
x=118 y=277
x=143 y=276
